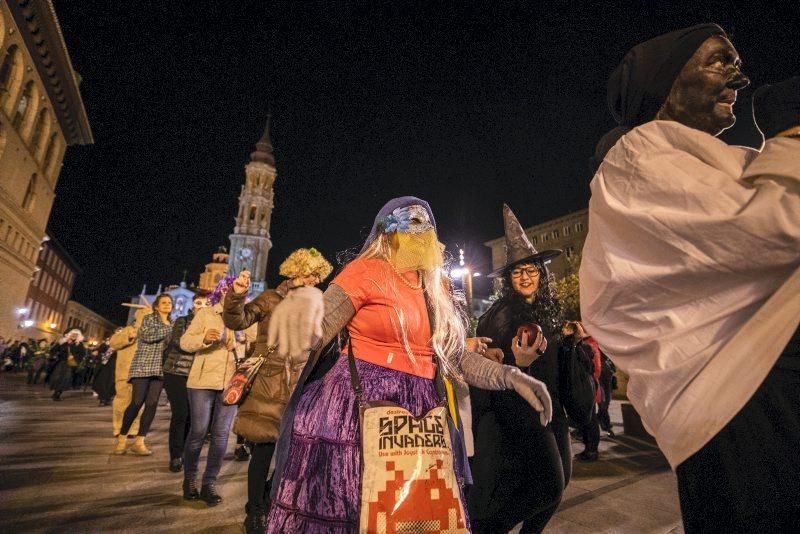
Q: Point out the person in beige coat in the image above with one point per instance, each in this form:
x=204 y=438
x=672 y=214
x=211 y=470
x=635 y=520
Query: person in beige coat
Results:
x=214 y=364
x=259 y=416
x=124 y=342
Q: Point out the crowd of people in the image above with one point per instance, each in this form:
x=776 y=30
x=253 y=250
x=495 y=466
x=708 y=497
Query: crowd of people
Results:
x=378 y=406
x=69 y=363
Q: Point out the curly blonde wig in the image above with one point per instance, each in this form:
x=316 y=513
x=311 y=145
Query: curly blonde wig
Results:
x=305 y=262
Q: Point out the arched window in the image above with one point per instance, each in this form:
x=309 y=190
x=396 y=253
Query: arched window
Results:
x=3 y=139
x=252 y=213
x=48 y=153
x=23 y=105
x=38 y=131
x=10 y=76
x=30 y=194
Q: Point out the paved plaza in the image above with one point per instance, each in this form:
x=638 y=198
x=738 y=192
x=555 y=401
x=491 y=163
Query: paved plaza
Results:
x=57 y=475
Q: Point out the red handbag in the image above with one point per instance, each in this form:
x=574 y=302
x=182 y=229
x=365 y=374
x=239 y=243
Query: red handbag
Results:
x=242 y=381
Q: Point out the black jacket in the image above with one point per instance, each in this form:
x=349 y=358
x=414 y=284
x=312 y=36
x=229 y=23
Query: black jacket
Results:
x=178 y=361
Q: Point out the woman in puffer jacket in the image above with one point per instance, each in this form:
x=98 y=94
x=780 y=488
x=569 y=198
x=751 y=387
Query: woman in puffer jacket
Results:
x=259 y=416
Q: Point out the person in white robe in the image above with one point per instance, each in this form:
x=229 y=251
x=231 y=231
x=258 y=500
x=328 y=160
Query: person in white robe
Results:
x=690 y=279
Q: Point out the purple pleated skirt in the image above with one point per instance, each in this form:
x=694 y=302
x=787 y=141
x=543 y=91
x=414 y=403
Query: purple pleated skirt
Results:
x=319 y=490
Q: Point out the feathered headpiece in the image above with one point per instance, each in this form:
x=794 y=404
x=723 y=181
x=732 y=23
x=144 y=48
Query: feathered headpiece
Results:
x=222 y=287
x=305 y=262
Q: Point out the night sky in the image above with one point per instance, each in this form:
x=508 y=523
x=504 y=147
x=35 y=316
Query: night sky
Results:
x=465 y=105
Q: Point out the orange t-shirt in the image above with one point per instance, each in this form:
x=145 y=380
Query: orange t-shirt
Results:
x=380 y=297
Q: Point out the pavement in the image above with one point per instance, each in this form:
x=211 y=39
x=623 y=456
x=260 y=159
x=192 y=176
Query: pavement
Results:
x=57 y=474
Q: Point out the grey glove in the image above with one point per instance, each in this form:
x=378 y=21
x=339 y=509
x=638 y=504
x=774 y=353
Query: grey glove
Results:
x=296 y=323
x=486 y=374
x=532 y=390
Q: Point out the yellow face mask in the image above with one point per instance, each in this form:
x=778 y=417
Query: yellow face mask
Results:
x=416 y=251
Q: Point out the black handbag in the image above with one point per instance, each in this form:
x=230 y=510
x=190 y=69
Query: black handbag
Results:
x=576 y=385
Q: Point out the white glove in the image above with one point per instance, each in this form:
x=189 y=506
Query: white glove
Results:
x=296 y=323
x=533 y=391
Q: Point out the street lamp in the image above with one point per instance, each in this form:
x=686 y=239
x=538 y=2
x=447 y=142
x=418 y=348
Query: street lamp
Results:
x=27 y=323
x=22 y=311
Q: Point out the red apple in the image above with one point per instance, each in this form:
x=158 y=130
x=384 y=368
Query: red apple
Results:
x=532 y=329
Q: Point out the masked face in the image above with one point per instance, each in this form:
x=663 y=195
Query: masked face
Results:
x=703 y=95
x=415 y=245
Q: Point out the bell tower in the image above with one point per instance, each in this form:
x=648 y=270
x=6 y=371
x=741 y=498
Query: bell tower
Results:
x=250 y=240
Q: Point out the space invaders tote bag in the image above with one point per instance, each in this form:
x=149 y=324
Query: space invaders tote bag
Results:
x=408 y=481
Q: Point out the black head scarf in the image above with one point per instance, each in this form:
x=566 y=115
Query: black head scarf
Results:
x=640 y=84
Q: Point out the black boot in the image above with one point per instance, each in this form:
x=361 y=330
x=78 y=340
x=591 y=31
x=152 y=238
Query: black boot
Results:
x=190 y=492
x=176 y=465
x=209 y=494
x=255 y=521
x=241 y=453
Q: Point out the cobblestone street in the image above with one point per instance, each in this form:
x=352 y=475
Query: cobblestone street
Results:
x=57 y=475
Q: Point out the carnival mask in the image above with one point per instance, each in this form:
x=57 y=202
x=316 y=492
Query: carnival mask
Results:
x=415 y=245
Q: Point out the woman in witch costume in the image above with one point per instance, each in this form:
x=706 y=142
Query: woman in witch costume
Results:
x=405 y=333
x=520 y=466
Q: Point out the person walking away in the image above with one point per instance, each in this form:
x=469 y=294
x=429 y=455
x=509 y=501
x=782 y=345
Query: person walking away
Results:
x=146 y=375
x=176 y=372
x=259 y=416
x=590 y=431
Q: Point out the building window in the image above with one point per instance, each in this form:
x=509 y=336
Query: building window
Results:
x=30 y=194
x=544 y=238
x=48 y=154
x=535 y=240
x=578 y=227
x=252 y=213
x=567 y=230
x=10 y=71
x=556 y=234
x=38 y=131
x=23 y=105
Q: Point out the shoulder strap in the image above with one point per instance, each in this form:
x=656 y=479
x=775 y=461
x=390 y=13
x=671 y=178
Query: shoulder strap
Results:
x=355 y=380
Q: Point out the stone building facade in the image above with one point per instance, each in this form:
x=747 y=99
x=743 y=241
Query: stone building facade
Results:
x=95 y=327
x=44 y=314
x=215 y=271
x=41 y=114
x=250 y=241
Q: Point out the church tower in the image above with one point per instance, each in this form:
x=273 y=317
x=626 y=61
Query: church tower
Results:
x=250 y=241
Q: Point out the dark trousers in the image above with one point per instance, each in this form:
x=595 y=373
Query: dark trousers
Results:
x=590 y=432
x=747 y=478
x=179 y=420
x=603 y=417
x=257 y=485
x=146 y=392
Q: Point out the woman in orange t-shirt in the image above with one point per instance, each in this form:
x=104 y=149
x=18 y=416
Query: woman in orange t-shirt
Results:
x=383 y=297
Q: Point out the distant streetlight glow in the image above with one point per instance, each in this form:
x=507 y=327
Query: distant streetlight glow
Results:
x=27 y=323
x=53 y=326
x=22 y=311
x=475 y=275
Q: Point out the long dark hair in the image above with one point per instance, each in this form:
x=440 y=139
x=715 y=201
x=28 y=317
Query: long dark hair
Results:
x=545 y=310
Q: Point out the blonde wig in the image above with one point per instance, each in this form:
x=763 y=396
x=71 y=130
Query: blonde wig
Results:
x=305 y=262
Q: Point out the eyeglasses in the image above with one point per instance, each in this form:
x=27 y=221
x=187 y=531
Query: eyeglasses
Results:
x=532 y=272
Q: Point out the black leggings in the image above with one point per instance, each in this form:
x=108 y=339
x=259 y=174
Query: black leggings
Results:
x=257 y=487
x=529 y=478
x=179 y=406
x=146 y=391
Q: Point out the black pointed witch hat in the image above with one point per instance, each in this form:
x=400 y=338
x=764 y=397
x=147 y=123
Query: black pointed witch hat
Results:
x=519 y=248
